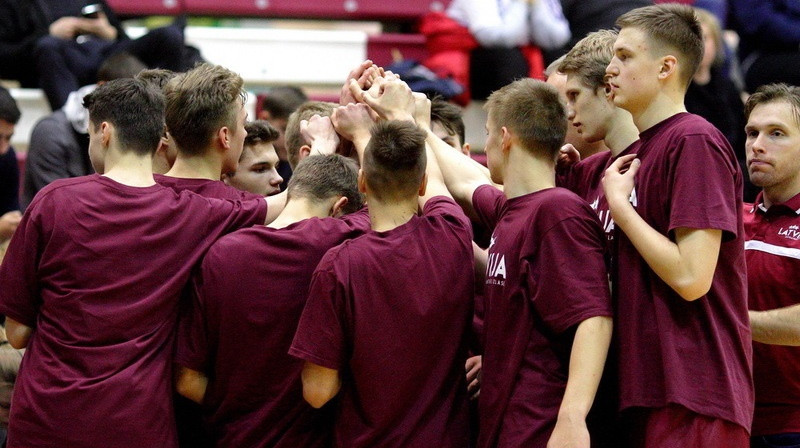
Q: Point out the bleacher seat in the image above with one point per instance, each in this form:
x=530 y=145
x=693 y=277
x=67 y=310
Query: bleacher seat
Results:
x=147 y=7
x=319 y=9
x=381 y=47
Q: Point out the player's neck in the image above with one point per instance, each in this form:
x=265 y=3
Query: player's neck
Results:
x=198 y=167
x=129 y=169
x=663 y=106
x=525 y=173
x=385 y=216
x=622 y=132
x=589 y=149
x=299 y=209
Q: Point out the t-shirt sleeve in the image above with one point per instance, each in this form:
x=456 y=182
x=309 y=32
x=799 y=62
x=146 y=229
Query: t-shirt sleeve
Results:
x=569 y=274
x=448 y=208
x=225 y=216
x=321 y=336
x=191 y=348
x=488 y=203
x=20 y=297
x=706 y=183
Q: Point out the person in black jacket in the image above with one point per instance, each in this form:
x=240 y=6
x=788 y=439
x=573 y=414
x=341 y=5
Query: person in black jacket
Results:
x=47 y=43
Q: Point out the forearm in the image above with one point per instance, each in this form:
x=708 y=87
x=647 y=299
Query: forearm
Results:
x=191 y=384
x=275 y=205
x=460 y=174
x=587 y=361
x=780 y=326
x=686 y=265
x=18 y=334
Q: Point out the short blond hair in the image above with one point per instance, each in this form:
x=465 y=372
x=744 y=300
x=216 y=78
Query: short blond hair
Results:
x=589 y=58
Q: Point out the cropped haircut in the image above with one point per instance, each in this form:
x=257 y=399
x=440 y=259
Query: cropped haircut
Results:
x=772 y=93
x=260 y=131
x=157 y=77
x=199 y=103
x=673 y=26
x=589 y=58
x=281 y=101
x=134 y=108
x=118 y=66
x=394 y=160
x=533 y=112
x=9 y=110
x=449 y=116
x=320 y=178
x=294 y=139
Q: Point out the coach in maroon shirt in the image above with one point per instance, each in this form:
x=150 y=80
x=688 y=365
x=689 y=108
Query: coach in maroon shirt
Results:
x=772 y=248
x=248 y=296
x=91 y=283
x=388 y=314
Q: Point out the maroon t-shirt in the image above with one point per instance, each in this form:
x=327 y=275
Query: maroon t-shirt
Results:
x=695 y=354
x=586 y=180
x=546 y=274
x=772 y=249
x=248 y=297
x=391 y=312
x=96 y=269
x=206 y=187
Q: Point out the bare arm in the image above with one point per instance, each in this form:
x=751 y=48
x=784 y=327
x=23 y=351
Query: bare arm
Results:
x=320 y=384
x=686 y=265
x=18 y=334
x=320 y=134
x=586 y=363
x=353 y=122
x=275 y=205
x=191 y=384
x=780 y=326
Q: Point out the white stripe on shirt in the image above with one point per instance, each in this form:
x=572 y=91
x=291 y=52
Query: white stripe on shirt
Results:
x=772 y=249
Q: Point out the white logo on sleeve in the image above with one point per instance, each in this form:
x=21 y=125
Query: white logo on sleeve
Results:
x=495 y=266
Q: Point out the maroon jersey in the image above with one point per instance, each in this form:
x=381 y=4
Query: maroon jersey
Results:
x=695 y=354
x=546 y=274
x=772 y=249
x=391 y=312
x=96 y=269
x=206 y=187
x=586 y=180
x=248 y=296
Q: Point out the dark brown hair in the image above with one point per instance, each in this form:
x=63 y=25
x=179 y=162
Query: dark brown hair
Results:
x=394 y=160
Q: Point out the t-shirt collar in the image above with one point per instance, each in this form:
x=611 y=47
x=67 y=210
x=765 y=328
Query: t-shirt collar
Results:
x=791 y=206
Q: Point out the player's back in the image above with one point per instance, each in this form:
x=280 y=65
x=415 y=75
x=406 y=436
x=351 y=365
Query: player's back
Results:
x=97 y=271
x=249 y=296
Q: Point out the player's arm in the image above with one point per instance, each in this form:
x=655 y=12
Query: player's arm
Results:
x=18 y=334
x=320 y=384
x=191 y=384
x=586 y=363
x=780 y=326
x=275 y=205
x=320 y=134
x=686 y=265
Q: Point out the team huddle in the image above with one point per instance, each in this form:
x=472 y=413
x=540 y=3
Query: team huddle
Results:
x=363 y=306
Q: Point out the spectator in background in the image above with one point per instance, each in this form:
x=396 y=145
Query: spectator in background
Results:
x=47 y=43
x=769 y=32
x=276 y=107
x=501 y=29
x=713 y=95
x=9 y=169
x=60 y=141
x=257 y=171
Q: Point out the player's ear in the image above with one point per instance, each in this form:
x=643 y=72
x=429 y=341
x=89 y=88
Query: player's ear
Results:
x=362 y=181
x=669 y=67
x=423 y=185
x=506 y=140
x=225 y=178
x=106 y=130
x=304 y=152
x=465 y=149
x=338 y=206
x=223 y=134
